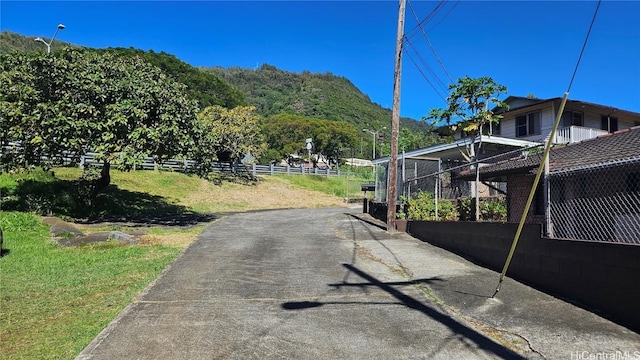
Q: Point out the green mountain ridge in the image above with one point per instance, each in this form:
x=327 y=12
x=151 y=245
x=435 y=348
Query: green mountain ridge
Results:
x=320 y=95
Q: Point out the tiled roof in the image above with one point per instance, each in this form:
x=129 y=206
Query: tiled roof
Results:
x=621 y=145
x=608 y=148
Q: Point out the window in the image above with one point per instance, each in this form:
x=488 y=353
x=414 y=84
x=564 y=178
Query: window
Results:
x=528 y=124
x=572 y=118
x=609 y=123
x=491 y=129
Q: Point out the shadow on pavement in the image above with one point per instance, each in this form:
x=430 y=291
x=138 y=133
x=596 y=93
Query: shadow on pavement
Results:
x=455 y=326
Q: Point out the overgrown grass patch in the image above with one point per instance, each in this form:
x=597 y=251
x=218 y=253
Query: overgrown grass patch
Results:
x=55 y=300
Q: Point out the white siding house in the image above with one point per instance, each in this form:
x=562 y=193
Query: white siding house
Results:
x=532 y=120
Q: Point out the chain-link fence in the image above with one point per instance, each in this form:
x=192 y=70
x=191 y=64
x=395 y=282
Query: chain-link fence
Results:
x=598 y=202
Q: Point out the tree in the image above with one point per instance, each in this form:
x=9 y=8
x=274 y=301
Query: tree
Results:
x=75 y=101
x=227 y=135
x=469 y=111
x=468 y=108
x=409 y=140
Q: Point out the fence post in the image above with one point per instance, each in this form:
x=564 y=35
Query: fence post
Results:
x=271 y=169
x=288 y=169
x=82 y=162
x=547 y=199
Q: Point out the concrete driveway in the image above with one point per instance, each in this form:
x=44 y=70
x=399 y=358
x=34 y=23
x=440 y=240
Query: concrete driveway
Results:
x=322 y=284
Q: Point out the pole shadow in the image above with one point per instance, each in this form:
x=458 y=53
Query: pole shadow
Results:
x=482 y=341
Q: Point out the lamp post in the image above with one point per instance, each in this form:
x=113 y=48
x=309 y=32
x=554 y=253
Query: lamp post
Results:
x=375 y=134
x=60 y=27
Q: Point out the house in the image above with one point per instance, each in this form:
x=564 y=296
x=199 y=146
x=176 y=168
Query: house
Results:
x=532 y=119
x=527 y=123
x=418 y=164
x=592 y=191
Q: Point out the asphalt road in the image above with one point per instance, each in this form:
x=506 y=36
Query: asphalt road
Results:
x=288 y=284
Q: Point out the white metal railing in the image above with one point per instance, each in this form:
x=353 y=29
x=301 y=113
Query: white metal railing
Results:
x=574 y=134
x=150 y=163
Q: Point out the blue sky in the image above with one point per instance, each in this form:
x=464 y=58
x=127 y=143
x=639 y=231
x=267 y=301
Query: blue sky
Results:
x=528 y=46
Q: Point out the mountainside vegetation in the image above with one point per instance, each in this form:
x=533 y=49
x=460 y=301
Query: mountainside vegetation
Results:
x=10 y=41
x=202 y=86
x=322 y=96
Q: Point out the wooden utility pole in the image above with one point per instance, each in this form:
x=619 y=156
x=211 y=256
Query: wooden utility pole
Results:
x=395 y=125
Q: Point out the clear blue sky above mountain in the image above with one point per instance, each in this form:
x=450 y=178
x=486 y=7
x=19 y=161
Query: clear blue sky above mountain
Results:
x=530 y=47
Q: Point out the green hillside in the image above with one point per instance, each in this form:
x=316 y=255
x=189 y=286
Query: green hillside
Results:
x=10 y=41
x=203 y=86
x=325 y=96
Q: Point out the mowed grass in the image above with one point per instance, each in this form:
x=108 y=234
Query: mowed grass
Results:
x=54 y=300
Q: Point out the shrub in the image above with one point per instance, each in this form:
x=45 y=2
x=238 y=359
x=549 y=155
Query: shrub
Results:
x=422 y=206
x=494 y=210
x=490 y=209
x=465 y=208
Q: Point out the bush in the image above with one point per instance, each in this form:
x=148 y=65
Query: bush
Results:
x=465 y=209
x=422 y=206
x=494 y=209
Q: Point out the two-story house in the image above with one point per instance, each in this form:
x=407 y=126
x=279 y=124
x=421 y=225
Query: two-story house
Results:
x=528 y=122
x=532 y=119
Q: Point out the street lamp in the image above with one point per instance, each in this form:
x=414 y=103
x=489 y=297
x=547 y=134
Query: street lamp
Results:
x=60 y=27
x=375 y=134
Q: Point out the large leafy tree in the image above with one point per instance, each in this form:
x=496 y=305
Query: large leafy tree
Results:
x=227 y=135
x=74 y=101
x=469 y=108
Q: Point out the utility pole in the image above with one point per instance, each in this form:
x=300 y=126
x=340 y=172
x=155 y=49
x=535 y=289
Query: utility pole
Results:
x=395 y=124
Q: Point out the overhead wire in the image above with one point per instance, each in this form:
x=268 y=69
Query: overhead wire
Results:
x=544 y=159
x=425 y=76
x=584 y=45
x=426 y=66
x=418 y=61
x=414 y=31
x=433 y=50
x=445 y=16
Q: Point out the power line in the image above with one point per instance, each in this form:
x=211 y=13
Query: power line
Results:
x=445 y=16
x=425 y=77
x=584 y=45
x=433 y=50
x=426 y=66
x=414 y=31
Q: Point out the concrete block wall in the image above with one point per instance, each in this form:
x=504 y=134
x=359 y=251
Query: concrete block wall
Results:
x=599 y=276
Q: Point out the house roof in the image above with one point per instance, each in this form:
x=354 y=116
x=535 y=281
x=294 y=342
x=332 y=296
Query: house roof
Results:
x=528 y=102
x=606 y=149
x=451 y=150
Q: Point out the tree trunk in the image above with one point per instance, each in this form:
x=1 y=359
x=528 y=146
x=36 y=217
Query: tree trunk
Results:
x=103 y=181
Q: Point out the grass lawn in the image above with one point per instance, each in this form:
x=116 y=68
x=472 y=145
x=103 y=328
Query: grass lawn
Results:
x=54 y=300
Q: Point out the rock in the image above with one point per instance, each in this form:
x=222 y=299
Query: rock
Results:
x=123 y=237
